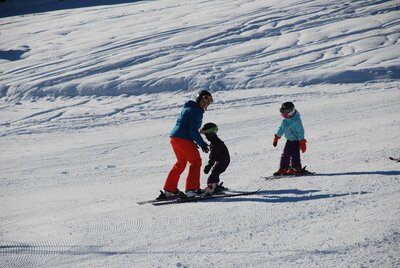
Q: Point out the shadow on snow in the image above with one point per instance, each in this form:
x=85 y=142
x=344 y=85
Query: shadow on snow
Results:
x=13 y=54
x=287 y=196
x=386 y=173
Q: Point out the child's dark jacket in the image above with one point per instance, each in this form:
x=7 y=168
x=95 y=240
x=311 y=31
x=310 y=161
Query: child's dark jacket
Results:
x=218 y=151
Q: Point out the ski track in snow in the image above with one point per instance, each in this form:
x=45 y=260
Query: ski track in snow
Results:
x=89 y=95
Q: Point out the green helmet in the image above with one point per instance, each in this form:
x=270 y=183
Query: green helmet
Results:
x=209 y=128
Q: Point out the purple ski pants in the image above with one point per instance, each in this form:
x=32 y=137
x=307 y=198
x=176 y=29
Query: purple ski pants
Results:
x=291 y=155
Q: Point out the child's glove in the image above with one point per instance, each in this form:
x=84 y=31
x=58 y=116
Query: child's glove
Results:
x=303 y=146
x=275 y=142
x=207 y=168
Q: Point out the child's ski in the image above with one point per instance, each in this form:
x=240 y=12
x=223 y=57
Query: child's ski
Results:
x=204 y=198
x=276 y=177
x=303 y=173
x=394 y=159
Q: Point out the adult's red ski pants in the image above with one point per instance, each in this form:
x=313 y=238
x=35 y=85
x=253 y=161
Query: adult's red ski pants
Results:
x=185 y=151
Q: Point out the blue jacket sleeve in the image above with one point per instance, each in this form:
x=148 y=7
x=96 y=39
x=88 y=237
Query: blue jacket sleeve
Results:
x=195 y=121
x=281 y=130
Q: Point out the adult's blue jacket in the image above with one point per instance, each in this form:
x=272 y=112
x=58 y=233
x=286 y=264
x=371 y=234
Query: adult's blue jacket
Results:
x=188 y=123
x=292 y=128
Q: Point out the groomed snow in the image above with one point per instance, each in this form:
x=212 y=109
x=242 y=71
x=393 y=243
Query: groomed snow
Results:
x=88 y=96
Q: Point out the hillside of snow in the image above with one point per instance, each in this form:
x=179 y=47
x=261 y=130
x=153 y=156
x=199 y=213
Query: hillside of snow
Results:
x=89 y=93
x=158 y=46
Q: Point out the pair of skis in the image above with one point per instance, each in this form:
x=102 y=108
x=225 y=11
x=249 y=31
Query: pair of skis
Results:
x=225 y=194
x=308 y=173
x=304 y=172
x=177 y=200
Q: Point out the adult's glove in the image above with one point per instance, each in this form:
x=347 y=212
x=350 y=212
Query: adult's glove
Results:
x=205 y=148
x=275 y=142
x=207 y=168
x=303 y=146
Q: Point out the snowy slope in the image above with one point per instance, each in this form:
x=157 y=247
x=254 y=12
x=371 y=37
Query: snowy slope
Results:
x=154 y=46
x=90 y=93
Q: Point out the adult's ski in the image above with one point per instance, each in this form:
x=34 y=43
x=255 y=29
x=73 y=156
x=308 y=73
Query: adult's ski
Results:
x=394 y=159
x=170 y=198
x=157 y=200
x=204 y=198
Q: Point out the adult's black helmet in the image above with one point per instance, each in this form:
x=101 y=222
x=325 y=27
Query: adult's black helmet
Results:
x=209 y=128
x=204 y=94
x=287 y=107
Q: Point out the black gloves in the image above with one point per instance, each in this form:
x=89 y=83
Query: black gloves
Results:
x=207 y=168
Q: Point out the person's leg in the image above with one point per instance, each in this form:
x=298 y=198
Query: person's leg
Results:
x=193 y=156
x=171 y=183
x=285 y=157
x=217 y=170
x=295 y=155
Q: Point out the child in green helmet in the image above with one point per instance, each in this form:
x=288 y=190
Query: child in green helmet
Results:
x=219 y=158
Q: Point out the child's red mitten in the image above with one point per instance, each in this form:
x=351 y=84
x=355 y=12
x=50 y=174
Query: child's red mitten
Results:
x=275 y=142
x=303 y=146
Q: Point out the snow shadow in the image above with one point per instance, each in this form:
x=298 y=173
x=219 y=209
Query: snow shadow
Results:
x=288 y=196
x=357 y=76
x=295 y=195
x=13 y=54
x=385 y=173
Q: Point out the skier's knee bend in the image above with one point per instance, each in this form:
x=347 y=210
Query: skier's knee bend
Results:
x=196 y=163
x=180 y=166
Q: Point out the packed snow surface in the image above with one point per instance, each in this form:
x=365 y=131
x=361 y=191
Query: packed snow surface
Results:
x=89 y=93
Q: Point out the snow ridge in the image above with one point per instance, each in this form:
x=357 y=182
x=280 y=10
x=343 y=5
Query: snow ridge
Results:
x=241 y=46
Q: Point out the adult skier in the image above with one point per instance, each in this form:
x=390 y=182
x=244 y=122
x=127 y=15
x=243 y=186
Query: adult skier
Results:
x=185 y=140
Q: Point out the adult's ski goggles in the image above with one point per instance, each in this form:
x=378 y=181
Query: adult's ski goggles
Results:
x=208 y=99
